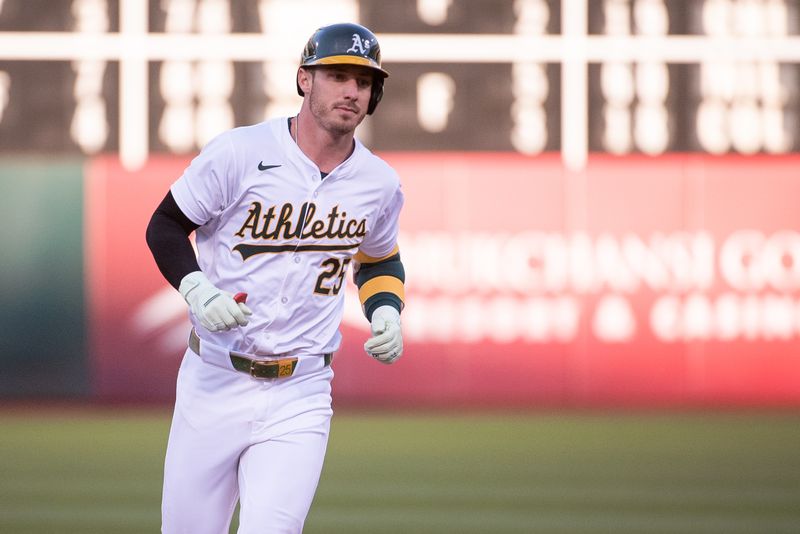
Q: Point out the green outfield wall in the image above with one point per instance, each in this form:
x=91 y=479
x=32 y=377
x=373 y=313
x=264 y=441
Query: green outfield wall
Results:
x=43 y=350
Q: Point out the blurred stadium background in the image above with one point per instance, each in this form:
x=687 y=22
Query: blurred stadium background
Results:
x=601 y=238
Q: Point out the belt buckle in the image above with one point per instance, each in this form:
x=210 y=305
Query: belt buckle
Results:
x=273 y=368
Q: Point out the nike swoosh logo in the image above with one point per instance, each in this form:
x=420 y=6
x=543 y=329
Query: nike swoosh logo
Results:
x=262 y=167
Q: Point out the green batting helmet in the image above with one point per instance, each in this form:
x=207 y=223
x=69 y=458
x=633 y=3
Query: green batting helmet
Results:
x=346 y=44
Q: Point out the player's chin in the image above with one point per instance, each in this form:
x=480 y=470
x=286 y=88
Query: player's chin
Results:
x=348 y=115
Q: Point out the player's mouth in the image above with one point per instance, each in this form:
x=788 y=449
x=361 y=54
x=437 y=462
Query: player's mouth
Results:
x=347 y=109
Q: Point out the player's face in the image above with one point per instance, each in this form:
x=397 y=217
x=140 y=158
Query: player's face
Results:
x=339 y=96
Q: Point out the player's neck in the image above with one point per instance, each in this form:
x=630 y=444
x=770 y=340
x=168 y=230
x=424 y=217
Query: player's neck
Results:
x=326 y=150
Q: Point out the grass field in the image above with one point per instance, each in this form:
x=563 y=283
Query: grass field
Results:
x=90 y=472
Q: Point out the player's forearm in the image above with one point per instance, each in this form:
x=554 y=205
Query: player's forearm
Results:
x=380 y=283
x=168 y=238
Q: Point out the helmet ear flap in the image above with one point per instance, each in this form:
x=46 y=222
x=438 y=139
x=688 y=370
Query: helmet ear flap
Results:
x=377 y=94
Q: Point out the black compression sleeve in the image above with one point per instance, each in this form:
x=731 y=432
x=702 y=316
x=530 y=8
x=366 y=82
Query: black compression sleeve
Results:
x=168 y=238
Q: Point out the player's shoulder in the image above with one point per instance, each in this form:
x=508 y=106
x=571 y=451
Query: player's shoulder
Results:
x=256 y=133
x=244 y=136
x=377 y=168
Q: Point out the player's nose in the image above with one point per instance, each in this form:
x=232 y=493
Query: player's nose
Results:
x=351 y=89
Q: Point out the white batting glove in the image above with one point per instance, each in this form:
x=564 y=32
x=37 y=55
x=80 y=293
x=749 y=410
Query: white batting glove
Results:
x=386 y=343
x=214 y=307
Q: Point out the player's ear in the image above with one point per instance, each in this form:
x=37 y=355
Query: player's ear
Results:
x=304 y=80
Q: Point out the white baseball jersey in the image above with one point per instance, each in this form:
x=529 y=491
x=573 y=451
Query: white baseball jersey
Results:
x=271 y=227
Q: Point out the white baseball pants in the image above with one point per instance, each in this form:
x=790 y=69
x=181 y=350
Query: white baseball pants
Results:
x=234 y=437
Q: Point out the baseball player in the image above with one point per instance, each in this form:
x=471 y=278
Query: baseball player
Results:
x=281 y=211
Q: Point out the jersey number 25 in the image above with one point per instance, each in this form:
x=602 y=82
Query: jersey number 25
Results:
x=330 y=280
